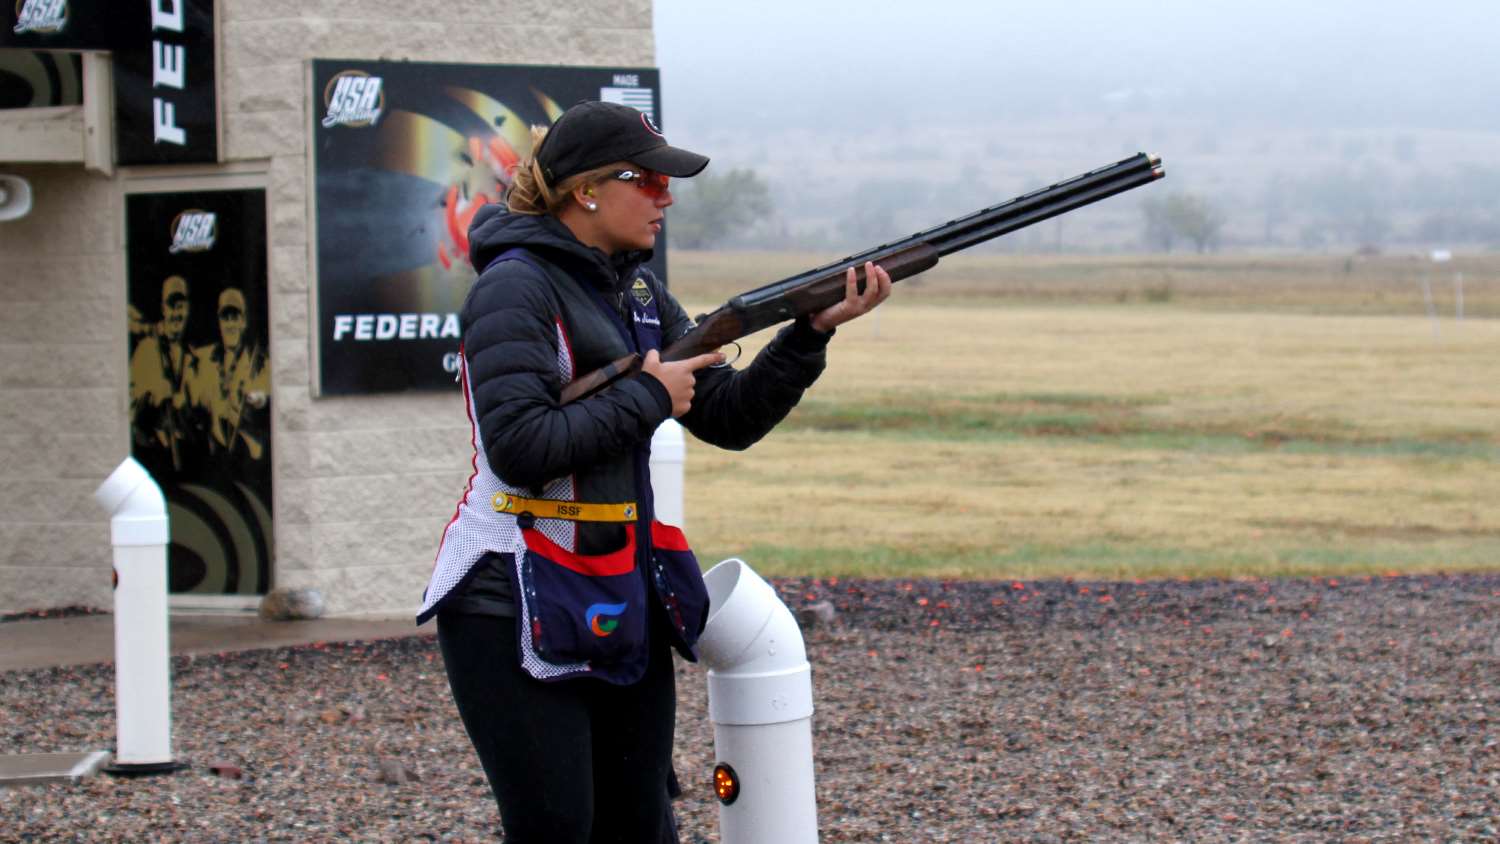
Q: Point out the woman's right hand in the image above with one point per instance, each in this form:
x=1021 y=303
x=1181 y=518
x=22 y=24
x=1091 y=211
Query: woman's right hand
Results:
x=677 y=376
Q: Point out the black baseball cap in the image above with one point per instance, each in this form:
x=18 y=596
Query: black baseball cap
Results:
x=593 y=133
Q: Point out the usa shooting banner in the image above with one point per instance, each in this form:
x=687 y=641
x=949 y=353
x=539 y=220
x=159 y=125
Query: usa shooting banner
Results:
x=165 y=67
x=65 y=25
x=200 y=380
x=404 y=154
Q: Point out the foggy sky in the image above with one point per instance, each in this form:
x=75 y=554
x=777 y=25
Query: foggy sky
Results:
x=1306 y=63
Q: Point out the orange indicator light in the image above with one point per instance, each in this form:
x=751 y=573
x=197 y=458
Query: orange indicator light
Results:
x=726 y=783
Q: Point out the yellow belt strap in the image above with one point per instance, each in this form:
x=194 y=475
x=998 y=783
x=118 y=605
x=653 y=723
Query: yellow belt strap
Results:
x=575 y=511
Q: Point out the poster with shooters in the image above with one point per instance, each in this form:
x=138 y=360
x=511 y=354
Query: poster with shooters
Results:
x=404 y=154
x=200 y=380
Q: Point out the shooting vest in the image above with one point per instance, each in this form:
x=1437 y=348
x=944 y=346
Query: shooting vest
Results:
x=578 y=614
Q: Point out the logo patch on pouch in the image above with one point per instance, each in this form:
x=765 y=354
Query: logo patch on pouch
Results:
x=604 y=618
x=641 y=291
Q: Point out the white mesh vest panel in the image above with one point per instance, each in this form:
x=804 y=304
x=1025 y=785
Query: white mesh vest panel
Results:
x=475 y=527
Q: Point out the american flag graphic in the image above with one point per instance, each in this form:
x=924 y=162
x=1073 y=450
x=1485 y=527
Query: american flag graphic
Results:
x=640 y=99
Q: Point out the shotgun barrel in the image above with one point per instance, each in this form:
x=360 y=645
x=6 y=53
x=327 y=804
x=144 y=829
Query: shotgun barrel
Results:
x=989 y=223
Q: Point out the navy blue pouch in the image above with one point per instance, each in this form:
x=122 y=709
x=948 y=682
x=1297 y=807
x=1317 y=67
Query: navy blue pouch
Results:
x=583 y=608
x=679 y=582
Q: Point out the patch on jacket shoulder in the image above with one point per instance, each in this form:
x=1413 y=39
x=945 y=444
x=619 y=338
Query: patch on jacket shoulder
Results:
x=641 y=291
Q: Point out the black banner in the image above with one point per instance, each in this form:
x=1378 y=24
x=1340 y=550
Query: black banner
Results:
x=67 y=25
x=200 y=380
x=404 y=154
x=166 y=91
x=166 y=87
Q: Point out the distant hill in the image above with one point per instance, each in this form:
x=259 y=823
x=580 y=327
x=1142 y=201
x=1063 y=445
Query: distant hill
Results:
x=1279 y=188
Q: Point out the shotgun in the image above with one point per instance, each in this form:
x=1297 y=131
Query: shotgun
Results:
x=821 y=287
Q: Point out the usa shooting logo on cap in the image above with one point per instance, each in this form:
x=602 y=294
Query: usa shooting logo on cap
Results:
x=194 y=230
x=353 y=98
x=44 y=17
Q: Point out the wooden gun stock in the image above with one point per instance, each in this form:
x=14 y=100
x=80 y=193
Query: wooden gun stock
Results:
x=600 y=378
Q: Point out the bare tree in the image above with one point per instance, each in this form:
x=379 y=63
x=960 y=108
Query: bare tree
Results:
x=712 y=209
x=1196 y=219
x=1181 y=215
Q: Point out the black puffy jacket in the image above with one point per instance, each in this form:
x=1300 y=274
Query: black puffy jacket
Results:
x=511 y=340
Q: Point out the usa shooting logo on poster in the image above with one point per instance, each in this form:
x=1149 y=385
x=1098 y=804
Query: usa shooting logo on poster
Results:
x=353 y=98
x=40 y=16
x=194 y=230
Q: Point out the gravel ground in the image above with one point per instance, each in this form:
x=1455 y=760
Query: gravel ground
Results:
x=1204 y=711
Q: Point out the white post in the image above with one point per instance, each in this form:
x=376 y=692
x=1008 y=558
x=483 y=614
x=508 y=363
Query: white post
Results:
x=668 y=453
x=1458 y=290
x=143 y=693
x=1427 y=300
x=761 y=703
x=1441 y=256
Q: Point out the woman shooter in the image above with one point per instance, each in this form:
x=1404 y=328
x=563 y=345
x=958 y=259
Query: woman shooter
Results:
x=558 y=596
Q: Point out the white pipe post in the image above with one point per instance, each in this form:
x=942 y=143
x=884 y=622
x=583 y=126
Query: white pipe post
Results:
x=143 y=693
x=760 y=701
x=1427 y=300
x=668 y=453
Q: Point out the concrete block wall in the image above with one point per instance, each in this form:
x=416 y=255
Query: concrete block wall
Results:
x=363 y=486
x=63 y=425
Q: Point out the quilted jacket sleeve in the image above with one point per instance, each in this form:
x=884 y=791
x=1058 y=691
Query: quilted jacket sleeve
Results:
x=510 y=340
x=732 y=408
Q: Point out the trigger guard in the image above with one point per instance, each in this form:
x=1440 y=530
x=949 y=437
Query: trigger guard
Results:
x=738 y=351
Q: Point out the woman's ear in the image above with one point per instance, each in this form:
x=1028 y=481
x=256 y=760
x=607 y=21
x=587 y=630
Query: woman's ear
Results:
x=584 y=196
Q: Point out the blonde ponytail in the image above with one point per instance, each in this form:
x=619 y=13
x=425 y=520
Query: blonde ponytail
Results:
x=529 y=193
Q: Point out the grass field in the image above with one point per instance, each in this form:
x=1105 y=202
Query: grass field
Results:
x=1014 y=417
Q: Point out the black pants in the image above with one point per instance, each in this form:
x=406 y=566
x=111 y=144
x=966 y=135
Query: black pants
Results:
x=578 y=761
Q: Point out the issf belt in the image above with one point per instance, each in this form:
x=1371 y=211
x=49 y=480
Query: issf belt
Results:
x=574 y=511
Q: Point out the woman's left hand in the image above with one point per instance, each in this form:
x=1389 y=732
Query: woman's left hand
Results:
x=855 y=303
